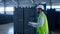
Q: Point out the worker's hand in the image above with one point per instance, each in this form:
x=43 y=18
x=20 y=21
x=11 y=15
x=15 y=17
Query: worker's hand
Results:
x=30 y=24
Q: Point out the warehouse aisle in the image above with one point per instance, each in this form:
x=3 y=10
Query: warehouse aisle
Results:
x=7 y=29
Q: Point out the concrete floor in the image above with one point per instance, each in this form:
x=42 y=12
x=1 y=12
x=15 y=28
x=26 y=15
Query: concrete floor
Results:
x=7 y=28
x=55 y=32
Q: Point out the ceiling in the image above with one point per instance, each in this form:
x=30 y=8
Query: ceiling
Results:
x=54 y=2
x=14 y=2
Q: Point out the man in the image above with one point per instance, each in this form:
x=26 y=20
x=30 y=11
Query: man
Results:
x=42 y=23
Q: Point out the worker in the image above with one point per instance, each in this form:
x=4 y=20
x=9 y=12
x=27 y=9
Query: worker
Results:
x=42 y=24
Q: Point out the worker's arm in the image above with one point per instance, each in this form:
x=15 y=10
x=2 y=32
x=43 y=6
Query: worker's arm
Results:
x=38 y=24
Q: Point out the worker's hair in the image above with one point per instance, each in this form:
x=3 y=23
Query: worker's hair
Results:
x=40 y=9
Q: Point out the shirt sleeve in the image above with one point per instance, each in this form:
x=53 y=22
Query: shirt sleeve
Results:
x=38 y=24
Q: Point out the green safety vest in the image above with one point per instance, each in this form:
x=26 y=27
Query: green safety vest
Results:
x=43 y=29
